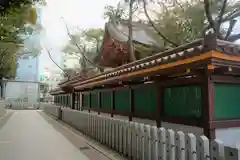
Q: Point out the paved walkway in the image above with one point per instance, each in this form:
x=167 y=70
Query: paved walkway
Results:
x=28 y=135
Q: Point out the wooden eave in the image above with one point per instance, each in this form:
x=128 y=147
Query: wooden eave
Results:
x=202 y=53
x=56 y=91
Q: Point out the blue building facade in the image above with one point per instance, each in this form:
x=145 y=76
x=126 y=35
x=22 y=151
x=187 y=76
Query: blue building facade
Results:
x=28 y=65
x=28 y=69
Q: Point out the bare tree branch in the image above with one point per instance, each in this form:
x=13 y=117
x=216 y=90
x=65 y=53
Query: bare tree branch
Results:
x=234 y=37
x=222 y=11
x=155 y=27
x=49 y=55
x=209 y=16
x=79 y=48
x=230 y=28
x=220 y=17
x=234 y=14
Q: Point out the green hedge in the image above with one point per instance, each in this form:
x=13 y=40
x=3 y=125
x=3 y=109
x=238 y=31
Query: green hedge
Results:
x=183 y=101
x=226 y=101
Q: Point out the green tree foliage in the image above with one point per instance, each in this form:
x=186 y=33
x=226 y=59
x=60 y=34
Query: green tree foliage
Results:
x=14 y=14
x=114 y=13
x=95 y=36
x=178 y=22
x=84 y=44
x=183 y=21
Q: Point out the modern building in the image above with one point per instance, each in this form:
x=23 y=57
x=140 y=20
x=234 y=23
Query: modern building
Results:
x=28 y=69
x=28 y=64
x=23 y=92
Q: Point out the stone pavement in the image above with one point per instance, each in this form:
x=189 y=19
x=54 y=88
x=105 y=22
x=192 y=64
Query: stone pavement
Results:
x=31 y=135
x=2 y=108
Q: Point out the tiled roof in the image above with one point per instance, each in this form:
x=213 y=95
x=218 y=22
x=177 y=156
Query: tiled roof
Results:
x=56 y=91
x=208 y=43
x=142 y=33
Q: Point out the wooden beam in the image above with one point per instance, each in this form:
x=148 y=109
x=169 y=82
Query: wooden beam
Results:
x=225 y=123
x=89 y=102
x=131 y=102
x=208 y=105
x=112 y=102
x=159 y=107
x=99 y=101
x=225 y=79
x=183 y=121
x=81 y=101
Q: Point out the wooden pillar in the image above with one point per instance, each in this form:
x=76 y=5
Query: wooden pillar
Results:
x=89 y=102
x=159 y=107
x=73 y=100
x=99 y=102
x=81 y=101
x=208 y=106
x=112 y=102
x=131 y=102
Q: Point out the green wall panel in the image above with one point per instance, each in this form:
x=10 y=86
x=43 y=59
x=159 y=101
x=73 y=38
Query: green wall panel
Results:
x=86 y=100
x=183 y=101
x=106 y=99
x=226 y=101
x=122 y=100
x=145 y=100
x=94 y=100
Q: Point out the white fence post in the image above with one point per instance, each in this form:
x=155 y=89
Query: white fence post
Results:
x=191 y=146
x=217 y=150
x=133 y=146
x=170 y=144
x=104 y=131
x=142 y=141
x=125 y=140
x=113 y=133
x=138 y=138
x=148 y=142
x=120 y=136
x=98 y=127
x=203 y=148
x=129 y=140
x=180 y=145
x=110 y=132
x=231 y=153
x=154 y=135
x=117 y=125
x=162 y=143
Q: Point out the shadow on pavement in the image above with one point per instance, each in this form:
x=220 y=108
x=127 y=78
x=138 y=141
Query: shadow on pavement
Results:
x=73 y=137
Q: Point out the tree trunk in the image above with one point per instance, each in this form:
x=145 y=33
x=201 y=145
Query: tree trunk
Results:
x=130 y=37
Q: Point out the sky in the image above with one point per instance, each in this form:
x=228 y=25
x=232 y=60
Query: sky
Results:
x=81 y=13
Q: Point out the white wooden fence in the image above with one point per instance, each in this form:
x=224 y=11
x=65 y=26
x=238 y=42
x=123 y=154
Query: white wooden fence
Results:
x=143 y=142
